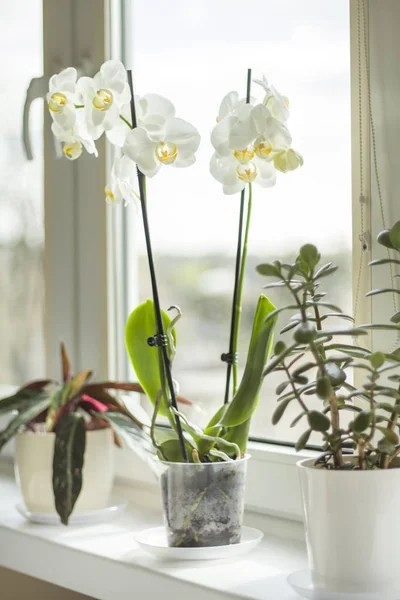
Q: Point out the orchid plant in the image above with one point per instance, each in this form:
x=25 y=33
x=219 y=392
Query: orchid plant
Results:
x=251 y=142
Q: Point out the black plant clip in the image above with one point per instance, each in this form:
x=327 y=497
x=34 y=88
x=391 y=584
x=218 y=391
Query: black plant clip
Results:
x=157 y=340
x=231 y=358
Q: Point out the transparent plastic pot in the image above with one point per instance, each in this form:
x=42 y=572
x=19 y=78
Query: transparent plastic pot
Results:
x=203 y=503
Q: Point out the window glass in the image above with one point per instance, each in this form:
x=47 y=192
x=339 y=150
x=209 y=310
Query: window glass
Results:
x=194 y=53
x=21 y=197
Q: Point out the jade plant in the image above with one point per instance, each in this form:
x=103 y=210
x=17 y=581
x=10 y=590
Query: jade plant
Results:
x=69 y=410
x=316 y=365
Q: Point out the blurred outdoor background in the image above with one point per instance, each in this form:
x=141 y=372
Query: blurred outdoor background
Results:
x=21 y=197
x=193 y=53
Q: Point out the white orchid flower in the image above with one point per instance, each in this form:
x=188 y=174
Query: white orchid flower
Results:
x=277 y=104
x=146 y=107
x=162 y=138
x=116 y=135
x=122 y=183
x=75 y=139
x=103 y=96
x=232 y=106
x=235 y=172
x=271 y=134
x=288 y=160
x=246 y=150
x=62 y=98
x=152 y=105
x=259 y=129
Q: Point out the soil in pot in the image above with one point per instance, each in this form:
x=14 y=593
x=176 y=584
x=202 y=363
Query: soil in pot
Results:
x=203 y=503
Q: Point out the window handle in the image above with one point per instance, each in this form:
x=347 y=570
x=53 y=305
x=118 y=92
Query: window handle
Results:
x=37 y=89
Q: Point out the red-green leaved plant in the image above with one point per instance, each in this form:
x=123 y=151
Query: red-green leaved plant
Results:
x=70 y=409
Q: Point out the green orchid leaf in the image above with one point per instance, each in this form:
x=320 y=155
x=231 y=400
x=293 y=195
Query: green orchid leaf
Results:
x=239 y=435
x=69 y=391
x=213 y=429
x=198 y=434
x=23 y=418
x=169 y=443
x=141 y=326
x=245 y=400
x=69 y=451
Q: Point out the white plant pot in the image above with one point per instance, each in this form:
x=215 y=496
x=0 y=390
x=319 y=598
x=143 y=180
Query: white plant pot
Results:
x=34 y=469
x=352 y=528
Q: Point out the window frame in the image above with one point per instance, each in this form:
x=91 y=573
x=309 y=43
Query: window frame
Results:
x=91 y=242
x=76 y=299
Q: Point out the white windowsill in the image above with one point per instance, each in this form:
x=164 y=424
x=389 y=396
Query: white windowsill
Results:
x=272 y=486
x=104 y=561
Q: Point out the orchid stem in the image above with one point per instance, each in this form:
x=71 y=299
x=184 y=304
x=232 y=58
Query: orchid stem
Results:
x=234 y=330
x=238 y=308
x=157 y=308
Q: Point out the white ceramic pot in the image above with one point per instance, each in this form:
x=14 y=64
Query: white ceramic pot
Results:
x=34 y=467
x=352 y=527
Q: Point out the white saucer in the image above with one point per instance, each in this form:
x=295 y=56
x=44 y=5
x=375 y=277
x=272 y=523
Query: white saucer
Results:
x=301 y=582
x=155 y=541
x=90 y=517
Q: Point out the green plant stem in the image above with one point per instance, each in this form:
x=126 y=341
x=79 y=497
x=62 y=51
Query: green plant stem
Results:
x=294 y=389
x=153 y=425
x=372 y=407
x=125 y=121
x=394 y=455
x=238 y=307
x=386 y=459
x=361 y=455
x=335 y=417
x=156 y=300
x=232 y=356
